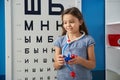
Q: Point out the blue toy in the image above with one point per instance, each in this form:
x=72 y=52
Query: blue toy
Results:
x=69 y=57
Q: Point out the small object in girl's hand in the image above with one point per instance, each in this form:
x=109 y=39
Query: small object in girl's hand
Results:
x=73 y=56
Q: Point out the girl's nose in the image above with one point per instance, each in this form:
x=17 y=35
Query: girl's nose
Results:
x=68 y=24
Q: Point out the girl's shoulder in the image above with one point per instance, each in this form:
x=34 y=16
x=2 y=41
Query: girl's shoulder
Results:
x=89 y=40
x=88 y=37
x=59 y=41
x=60 y=38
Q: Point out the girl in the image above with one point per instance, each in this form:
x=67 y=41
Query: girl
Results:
x=74 y=40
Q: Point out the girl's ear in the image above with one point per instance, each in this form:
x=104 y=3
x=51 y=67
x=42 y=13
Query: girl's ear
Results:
x=81 y=22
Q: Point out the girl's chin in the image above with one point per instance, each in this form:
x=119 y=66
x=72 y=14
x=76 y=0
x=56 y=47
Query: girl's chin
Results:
x=70 y=32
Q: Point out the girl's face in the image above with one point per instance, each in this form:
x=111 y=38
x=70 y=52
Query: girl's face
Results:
x=71 y=23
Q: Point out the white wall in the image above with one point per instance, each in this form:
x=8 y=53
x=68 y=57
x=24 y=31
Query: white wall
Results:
x=112 y=11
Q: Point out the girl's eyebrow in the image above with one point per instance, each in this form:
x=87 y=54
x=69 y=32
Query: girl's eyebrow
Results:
x=70 y=20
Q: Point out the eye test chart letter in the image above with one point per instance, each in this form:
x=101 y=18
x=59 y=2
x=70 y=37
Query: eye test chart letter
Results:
x=31 y=26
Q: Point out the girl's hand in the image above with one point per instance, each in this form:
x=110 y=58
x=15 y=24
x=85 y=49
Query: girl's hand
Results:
x=75 y=60
x=60 y=60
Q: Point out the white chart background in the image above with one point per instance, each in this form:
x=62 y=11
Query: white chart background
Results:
x=22 y=63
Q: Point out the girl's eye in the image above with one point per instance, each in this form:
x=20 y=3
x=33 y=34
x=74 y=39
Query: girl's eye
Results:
x=64 y=22
x=68 y=22
x=71 y=21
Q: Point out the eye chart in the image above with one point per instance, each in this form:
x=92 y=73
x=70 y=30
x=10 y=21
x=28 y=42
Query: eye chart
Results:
x=31 y=28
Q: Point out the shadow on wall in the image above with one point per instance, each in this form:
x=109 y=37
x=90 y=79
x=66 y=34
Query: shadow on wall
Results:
x=98 y=75
x=2 y=77
x=111 y=75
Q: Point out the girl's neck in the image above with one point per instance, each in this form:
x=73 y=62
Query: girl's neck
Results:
x=73 y=36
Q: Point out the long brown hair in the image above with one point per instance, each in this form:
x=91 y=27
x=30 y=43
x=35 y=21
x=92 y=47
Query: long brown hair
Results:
x=75 y=12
